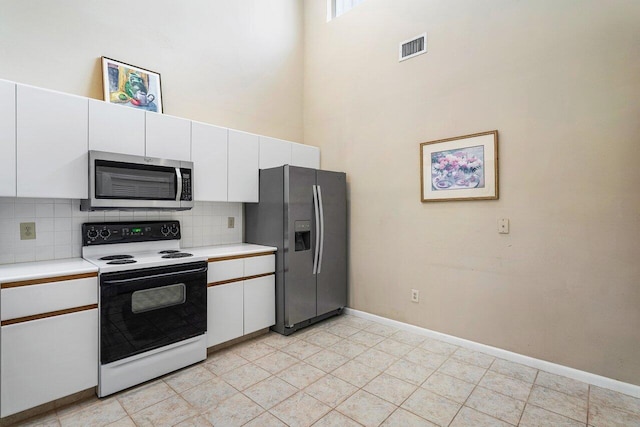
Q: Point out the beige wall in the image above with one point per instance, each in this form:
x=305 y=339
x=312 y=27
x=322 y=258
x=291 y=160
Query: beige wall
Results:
x=232 y=63
x=560 y=80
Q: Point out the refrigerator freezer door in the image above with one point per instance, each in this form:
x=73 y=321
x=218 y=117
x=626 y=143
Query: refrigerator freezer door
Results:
x=332 y=276
x=299 y=280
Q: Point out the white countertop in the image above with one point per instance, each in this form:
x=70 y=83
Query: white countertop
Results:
x=229 y=250
x=40 y=269
x=64 y=267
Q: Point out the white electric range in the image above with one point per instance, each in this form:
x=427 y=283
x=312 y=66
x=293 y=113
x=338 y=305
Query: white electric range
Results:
x=152 y=301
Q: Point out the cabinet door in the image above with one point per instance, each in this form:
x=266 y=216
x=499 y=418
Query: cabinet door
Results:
x=209 y=153
x=115 y=128
x=305 y=156
x=224 y=313
x=7 y=139
x=168 y=137
x=46 y=359
x=243 y=167
x=274 y=152
x=259 y=303
x=52 y=144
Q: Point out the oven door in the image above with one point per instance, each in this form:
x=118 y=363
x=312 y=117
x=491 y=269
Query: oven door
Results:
x=141 y=310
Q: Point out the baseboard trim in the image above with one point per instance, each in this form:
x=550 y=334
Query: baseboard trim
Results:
x=554 y=368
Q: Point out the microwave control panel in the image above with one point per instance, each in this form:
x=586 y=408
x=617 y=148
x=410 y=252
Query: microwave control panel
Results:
x=187 y=192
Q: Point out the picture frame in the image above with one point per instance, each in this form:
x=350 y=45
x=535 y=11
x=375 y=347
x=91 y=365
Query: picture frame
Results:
x=460 y=168
x=132 y=86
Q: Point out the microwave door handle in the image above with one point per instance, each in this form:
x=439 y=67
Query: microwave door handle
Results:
x=179 y=186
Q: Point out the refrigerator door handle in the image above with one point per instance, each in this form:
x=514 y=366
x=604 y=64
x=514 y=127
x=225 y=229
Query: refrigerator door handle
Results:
x=317 y=213
x=321 y=228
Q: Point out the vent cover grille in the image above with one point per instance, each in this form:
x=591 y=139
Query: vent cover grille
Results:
x=413 y=47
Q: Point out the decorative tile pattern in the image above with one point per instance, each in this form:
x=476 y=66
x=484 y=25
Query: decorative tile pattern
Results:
x=245 y=376
x=390 y=388
x=331 y=390
x=402 y=418
x=506 y=385
x=563 y=384
x=463 y=371
x=468 y=417
x=366 y=408
x=300 y=410
x=538 y=417
x=235 y=411
x=495 y=404
x=449 y=387
x=409 y=371
x=335 y=419
x=270 y=392
x=559 y=403
x=473 y=357
x=168 y=412
x=393 y=347
x=301 y=375
x=515 y=370
x=432 y=407
x=327 y=360
x=347 y=382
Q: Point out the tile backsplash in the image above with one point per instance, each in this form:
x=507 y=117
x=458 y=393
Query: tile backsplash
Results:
x=58 y=226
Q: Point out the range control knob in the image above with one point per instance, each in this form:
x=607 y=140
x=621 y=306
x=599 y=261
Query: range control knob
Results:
x=92 y=234
x=174 y=229
x=105 y=233
x=164 y=230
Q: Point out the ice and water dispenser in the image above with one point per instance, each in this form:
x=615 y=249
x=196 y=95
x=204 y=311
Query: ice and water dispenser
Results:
x=303 y=235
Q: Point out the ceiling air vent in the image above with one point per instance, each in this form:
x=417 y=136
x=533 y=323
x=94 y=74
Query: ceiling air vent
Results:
x=413 y=47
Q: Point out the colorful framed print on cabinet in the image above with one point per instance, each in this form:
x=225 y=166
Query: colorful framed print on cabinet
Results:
x=460 y=168
x=132 y=86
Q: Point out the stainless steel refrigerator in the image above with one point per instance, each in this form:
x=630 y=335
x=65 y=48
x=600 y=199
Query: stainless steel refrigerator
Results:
x=303 y=212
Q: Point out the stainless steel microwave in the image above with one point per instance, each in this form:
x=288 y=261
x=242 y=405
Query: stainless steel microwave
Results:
x=126 y=182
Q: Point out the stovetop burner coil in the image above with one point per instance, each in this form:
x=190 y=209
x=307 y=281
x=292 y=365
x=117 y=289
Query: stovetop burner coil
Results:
x=115 y=257
x=177 y=255
x=122 y=261
x=169 y=251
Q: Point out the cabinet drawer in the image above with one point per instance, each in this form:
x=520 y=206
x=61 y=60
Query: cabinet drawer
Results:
x=28 y=300
x=46 y=359
x=224 y=270
x=259 y=265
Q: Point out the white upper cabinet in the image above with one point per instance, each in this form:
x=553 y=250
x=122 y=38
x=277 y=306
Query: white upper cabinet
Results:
x=305 y=156
x=243 y=167
x=116 y=128
x=7 y=139
x=52 y=144
x=209 y=154
x=274 y=152
x=168 y=137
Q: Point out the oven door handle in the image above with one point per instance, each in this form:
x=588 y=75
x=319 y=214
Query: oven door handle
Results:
x=155 y=276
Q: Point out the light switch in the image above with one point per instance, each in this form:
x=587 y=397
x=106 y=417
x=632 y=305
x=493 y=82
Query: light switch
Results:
x=503 y=226
x=231 y=222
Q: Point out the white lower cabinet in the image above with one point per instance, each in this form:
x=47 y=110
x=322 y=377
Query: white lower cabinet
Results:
x=259 y=303
x=237 y=302
x=46 y=359
x=224 y=313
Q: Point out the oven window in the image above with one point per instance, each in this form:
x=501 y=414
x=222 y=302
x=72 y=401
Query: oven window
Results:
x=115 y=180
x=156 y=298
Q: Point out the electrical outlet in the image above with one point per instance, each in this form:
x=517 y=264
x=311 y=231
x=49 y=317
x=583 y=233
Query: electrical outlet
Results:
x=27 y=230
x=415 y=295
x=231 y=222
x=503 y=226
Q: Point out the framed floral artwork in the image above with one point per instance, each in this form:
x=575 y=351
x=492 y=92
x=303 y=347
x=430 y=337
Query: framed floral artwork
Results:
x=460 y=168
x=131 y=86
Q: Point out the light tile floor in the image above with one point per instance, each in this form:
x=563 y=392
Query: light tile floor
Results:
x=348 y=371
